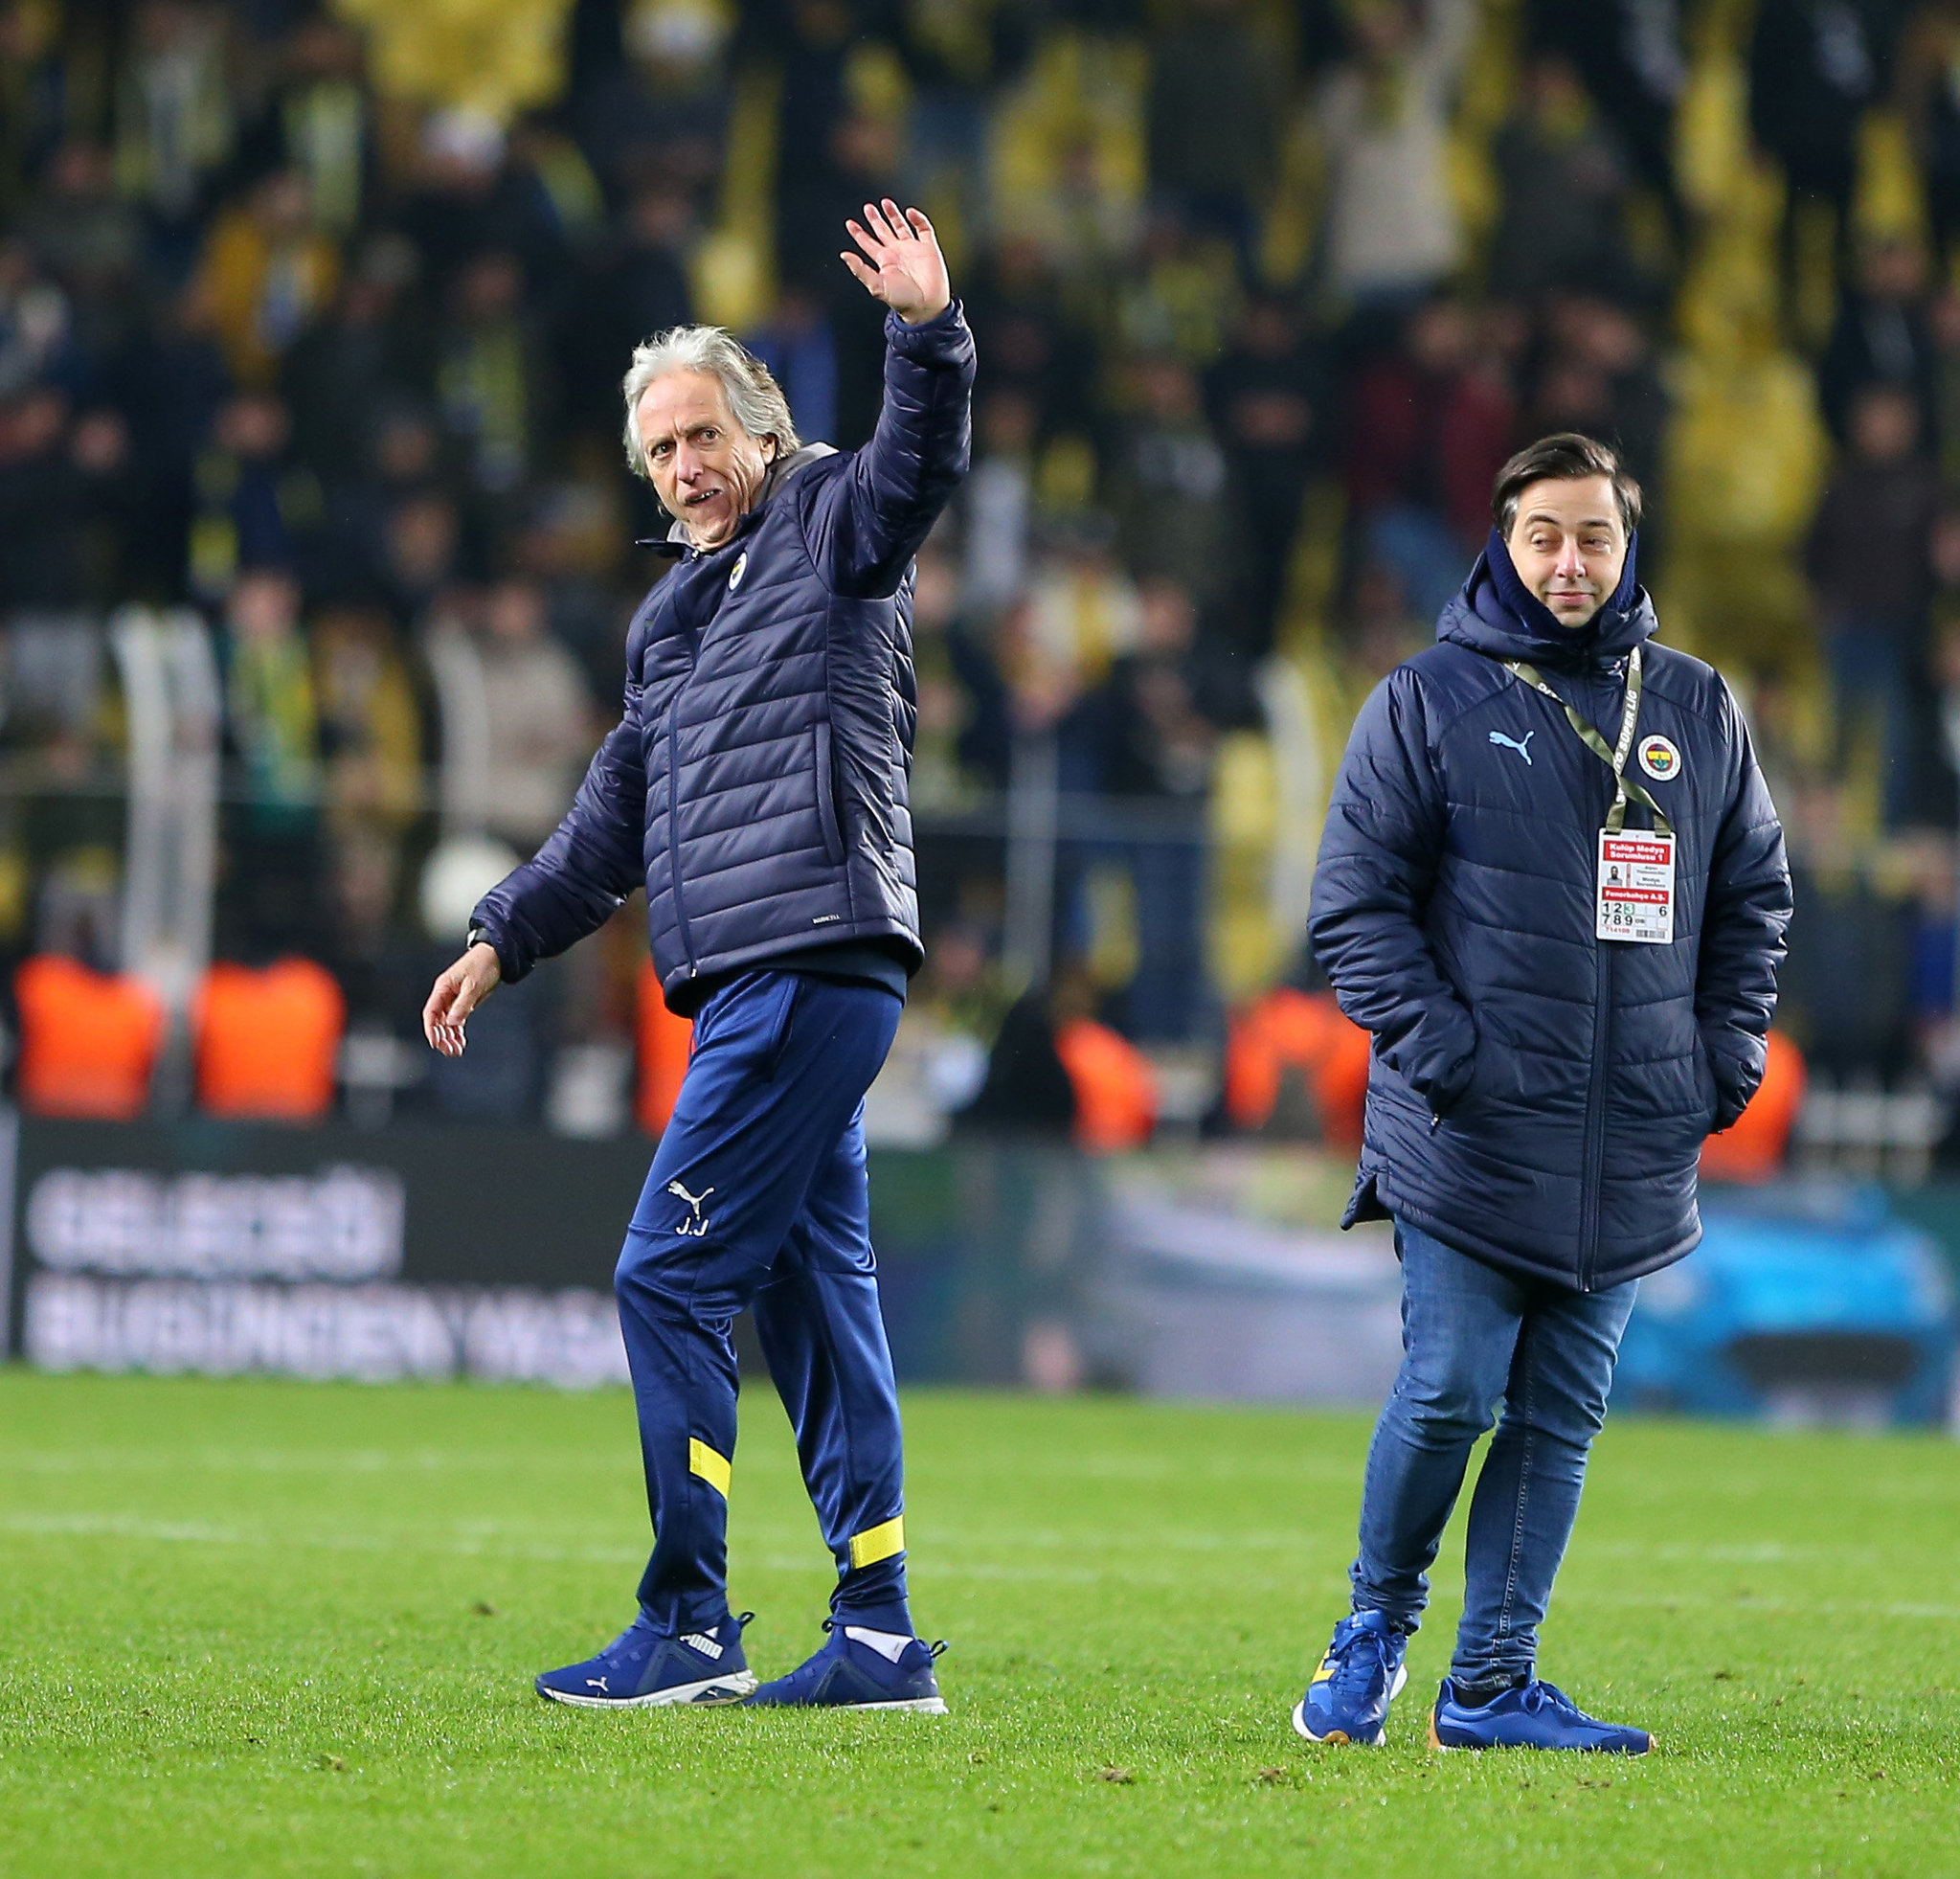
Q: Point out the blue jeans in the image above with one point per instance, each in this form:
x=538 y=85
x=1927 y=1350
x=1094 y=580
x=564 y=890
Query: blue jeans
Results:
x=1472 y=1335
x=758 y=1199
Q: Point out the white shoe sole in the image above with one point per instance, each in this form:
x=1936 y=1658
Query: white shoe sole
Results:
x=1340 y=1736
x=709 y=1692
x=919 y=1705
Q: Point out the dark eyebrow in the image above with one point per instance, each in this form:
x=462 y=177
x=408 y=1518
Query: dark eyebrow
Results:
x=1591 y=522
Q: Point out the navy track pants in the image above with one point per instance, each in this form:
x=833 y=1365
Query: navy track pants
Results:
x=758 y=1198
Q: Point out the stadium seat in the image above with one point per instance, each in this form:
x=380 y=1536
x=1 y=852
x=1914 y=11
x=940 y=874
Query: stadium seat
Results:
x=88 y=1040
x=1115 y=1088
x=1754 y=1147
x=1307 y=1032
x=268 y=1041
x=666 y=1041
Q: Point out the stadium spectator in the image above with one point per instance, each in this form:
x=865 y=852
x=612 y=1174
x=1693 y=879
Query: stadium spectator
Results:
x=1167 y=483
x=370 y=737
x=491 y=371
x=1870 y=558
x=39 y=492
x=1033 y=341
x=570 y=546
x=90 y=240
x=270 y=898
x=1630 y=54
x=266 y=271
x=1429 y=426
x=537 y=717
x=1393 y=233
x=949 y=712
x=1378 y=627
x=855 y=166
x=175 y=121
x=800 y=349
x=347 y=367
x=661 y=111
x=1079 y=614
x=1882 y=337
x=316 y=121
x=1155 y=744
x=643 y=289
x=1816 y=66
x=1214 y=92
x=1269 y=399
x=256 y=507
x=169 y=380
x=997 y=502
x=1927 y=52
x=1563 y=184
x=420 y=551
x=31 y=86
x=1598 y=373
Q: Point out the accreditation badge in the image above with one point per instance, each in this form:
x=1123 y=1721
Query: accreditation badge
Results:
x=1635 y=897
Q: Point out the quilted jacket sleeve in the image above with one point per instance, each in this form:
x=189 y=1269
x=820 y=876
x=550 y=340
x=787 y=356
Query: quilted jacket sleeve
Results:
x=590 y=862
x=1747 y=910
x=865 y=526
x=1371 y=884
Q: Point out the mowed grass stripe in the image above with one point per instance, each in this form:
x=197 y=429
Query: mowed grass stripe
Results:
x=246 y=1633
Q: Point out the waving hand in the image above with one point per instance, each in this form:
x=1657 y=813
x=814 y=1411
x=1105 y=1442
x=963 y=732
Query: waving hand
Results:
x=902 y=264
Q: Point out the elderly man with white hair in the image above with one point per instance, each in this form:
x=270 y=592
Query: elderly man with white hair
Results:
x=756 y=786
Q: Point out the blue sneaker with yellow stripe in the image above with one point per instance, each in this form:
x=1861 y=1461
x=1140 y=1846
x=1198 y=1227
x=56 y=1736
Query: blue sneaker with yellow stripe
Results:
x=643 y=1668
x=1348 y=1699
x=860 y=1670
x=1530 y=1715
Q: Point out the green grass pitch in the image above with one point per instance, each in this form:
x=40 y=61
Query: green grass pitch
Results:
x=257 y=1627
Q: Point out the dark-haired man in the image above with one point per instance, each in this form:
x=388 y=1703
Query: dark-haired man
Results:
x=1553 y=888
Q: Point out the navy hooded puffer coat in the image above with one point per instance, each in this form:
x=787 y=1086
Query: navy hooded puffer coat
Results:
x=756 y=782
x=1537 y=1098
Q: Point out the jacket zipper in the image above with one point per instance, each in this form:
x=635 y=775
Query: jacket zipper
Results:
x=674 y=832
x=1595 y=1120
x=1593 y=1171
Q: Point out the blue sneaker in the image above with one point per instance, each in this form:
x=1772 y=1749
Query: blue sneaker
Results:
x=1533 y=1715
x=848 y=1674
x=642 y=1669
x=1358 y=1679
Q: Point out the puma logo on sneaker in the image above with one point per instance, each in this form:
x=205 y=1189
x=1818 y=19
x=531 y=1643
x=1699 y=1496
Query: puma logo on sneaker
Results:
x=1512 y=743
x=656 y=1670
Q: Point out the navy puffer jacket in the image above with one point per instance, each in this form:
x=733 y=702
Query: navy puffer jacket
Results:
x=1539 y=1098
x=756 y=782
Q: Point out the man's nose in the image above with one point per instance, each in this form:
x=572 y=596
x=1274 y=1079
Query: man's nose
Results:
x=1571 y=564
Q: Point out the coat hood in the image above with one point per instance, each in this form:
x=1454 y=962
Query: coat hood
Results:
x=1498 y=615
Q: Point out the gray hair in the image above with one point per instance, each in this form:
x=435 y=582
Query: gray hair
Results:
x=755 y=400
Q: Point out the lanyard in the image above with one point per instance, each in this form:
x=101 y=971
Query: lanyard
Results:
x=1615 y=758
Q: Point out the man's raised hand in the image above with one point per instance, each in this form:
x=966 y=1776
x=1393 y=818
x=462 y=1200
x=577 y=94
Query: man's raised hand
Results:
x=901 y=264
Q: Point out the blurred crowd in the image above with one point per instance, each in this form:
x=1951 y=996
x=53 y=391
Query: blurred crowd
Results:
x=311 y=320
